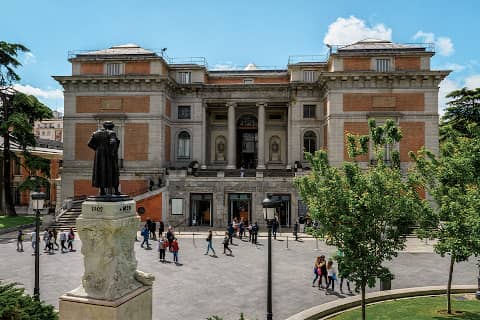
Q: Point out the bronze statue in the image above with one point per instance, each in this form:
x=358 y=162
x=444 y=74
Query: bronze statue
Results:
x=105 y=166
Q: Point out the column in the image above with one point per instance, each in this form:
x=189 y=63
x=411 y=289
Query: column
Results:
x=203 y=160
x=289 y=135
x=261 y=136
x=231 y=143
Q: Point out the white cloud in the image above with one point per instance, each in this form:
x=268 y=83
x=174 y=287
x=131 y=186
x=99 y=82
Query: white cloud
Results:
x=28 y=58
x=228 y=65
x=452 y=66
x=446 y=86
x=39 y=93
x=473 y=82
x=443 y=45
x=352 y=29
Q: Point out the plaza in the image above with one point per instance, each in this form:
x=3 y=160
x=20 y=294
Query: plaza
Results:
x=203 y=286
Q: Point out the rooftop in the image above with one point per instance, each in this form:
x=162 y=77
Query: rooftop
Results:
x=124 y=49
x=382 y=45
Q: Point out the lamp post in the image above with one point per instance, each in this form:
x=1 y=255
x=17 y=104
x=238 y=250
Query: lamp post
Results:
x=478 y=282
x=269 y=207
x=38 y=199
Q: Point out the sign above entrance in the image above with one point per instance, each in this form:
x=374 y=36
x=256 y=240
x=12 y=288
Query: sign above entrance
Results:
x=247 y=122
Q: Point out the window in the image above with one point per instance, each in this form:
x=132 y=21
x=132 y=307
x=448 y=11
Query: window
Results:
x=184 y=112
x=247 y=81
x=114 y=69
x=310 y=142
x=275 y=116
x=185 y=77
x=309 y=111
x=183 y=145
x=383 y=65
x=309 y=76
x=221 y=116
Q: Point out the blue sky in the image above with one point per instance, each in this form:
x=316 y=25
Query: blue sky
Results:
x=235 y=33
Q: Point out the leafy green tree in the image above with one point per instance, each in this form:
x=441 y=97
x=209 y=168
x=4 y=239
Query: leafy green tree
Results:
x=364 y=212
x=453 y=179
x=462 y=110
x=18 y=112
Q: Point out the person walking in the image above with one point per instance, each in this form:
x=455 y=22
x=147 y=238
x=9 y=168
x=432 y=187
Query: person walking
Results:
x=226 y=240
x=250 y=232
x=20 y=238
x=153 y=229
x=45 y=240
x=34 y=241
x=161 y=228
x=145 y=234
x=50 y=242
x=63 y=239
x=55 y=234
x=341 y=273
x=332 y=276
x=209 y=243
x=71 y=238
x=175 y=249
x=254 y=233
x=230 y=232
x=316 y=270
x=162 y=245
x=241 y=229
x=275 y=228
x=170 y=237
x=323 y=272
x=295 y=230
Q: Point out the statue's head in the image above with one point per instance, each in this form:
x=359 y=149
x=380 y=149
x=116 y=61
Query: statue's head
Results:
x=108 y=125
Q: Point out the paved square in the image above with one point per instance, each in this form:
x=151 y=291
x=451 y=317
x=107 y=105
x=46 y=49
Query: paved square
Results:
x=203 y=286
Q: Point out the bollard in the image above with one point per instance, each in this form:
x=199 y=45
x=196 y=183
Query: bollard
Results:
x=316 y=243
x=193 y=239
x=287 y=242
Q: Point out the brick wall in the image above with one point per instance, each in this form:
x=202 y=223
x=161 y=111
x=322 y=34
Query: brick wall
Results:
x=356 y=64
x=413 y=138
x=168 y=108
x=407 y=63
x=83 y=132
x=153 y=208
x=93 y=68
x=96 y=104
x=383 y=101
x=167 y=143
x=140 y=67
x=237 y=80
x=136 y=141
x=83 y=187
x=359 y=128
x=133 y=186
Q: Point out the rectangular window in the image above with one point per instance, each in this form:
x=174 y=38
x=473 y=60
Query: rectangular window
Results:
x=309 y=76
x=383 y=65
x=309 y=111
x=247 y=81
x=275 y=116
x=114 y=69
x=184 y=112
x=176 y=206
x=221 y=116
x=185 y=77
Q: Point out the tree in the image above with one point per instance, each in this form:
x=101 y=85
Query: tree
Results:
x=453 y=179
x=365 y=213
x=462 y=110
x=17 y=115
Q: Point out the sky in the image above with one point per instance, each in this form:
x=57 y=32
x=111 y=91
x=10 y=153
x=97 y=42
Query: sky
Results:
x=232 y=34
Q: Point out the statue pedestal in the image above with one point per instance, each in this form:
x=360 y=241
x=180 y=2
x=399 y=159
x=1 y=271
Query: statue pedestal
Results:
x=112 y=287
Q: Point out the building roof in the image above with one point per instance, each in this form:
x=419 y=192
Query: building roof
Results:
x=380 y=45
x=124 y=49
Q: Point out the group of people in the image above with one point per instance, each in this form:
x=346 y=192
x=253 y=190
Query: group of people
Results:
x=167 y=241
x=50 y=242
x=325 y=269
x=238 y=228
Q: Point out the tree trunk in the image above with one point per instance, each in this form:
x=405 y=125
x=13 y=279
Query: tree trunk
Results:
x=7 y=177
x=449 y=286
x=363 y=301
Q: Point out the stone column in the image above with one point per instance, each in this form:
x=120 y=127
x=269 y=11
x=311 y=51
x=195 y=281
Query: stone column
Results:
x=289 y=135
x=203 y=160
x=261 y=136
x=231 y=136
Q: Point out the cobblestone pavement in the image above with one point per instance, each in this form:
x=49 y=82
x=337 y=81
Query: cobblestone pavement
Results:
x=227 y=285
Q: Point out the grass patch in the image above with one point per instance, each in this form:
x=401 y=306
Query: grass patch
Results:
x=8 y=222
x=425 y=308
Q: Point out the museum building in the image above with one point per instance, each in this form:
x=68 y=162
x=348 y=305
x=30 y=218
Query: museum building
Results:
x=217 y=142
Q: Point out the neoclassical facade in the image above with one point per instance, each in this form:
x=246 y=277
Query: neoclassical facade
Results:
x=220 y=141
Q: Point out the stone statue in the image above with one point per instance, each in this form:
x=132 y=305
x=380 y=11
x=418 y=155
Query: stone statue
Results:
x=105 y=166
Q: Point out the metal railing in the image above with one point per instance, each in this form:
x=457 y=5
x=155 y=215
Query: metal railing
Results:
x=307 y=59
x=419 y=46
x=201 y=61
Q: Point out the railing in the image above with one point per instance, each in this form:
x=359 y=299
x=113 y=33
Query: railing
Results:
x=236 y=68
x=188 y=60
x=420 y=46
x=307 y=59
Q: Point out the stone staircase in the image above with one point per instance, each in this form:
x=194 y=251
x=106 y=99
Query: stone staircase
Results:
x=69 y=218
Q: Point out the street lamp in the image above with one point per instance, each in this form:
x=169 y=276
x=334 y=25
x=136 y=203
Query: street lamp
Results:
x=478 y=282
x=38 y=199
x=269 y=210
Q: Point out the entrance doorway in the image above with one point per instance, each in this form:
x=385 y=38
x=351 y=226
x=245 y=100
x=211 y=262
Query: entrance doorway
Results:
x=201 y=209
x=239 y=207
x=283 y=211
x=247 y=139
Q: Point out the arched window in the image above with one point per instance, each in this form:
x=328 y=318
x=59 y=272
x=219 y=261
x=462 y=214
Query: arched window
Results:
x=310 y=142
x=183 y=145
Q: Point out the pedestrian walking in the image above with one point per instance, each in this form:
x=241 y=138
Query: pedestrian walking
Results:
x=250 y=232
x=33 y=236
x=145 y=234
x=175 y=249
x=343 y=275
x=275 y=228
x=20 y=238
x=255 y=233
x=153 y=229
x=71 y=238
x=162 y=245
x=63 y=239
x=50 y=242
x=170 y=237
x=45 y=240
x=323 y=272
x=316 y=270
x=161 y=228
x=241 y=229
x=226 y=241
x=55 y=234
x=332 y=276
x=295 y=230
x=209 y=243
x=230 y=232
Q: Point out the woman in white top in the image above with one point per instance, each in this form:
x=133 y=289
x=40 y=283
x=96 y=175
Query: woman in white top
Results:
x=332 y=275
